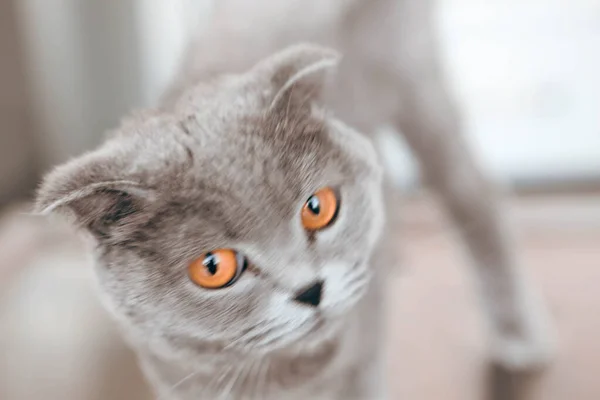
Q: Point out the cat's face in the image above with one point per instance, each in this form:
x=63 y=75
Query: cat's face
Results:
x=243 y=218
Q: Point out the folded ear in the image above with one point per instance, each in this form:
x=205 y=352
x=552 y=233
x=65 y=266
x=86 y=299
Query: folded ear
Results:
x=299 y=74
x=90 y=190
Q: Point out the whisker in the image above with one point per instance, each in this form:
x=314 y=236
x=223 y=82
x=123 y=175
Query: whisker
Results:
x=363 y=272
x=216 y=381
x=252 y=375
x=243 y=378
x=248 y=377
x=354 y=280
x=233 y=381
x=251 y=336
x=294 y=332
x=356 y=291
x=171 y=390
x=276 y=333
x=248 y=334
x=251 y=393
x=354 y=284
x=358 y=278
x=261 y=381
x=264 y=333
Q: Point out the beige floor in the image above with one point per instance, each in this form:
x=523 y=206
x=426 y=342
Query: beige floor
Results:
x=437 y=336
x=437 y=347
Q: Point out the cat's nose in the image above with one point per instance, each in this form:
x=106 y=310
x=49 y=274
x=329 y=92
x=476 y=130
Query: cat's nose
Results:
x=310 y=295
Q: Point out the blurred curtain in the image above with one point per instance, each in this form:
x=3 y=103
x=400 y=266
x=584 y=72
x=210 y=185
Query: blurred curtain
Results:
x=18 y=164
x=90 y=62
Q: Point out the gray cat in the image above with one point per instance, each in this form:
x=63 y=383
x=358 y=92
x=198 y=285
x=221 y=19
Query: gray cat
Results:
x=236 y=234
x=239 y=226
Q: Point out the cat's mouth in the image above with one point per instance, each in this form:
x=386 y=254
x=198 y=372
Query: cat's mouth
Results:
x=323 y=326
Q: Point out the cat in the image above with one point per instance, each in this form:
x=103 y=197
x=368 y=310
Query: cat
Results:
x=245 y=166
x=235 y=137
x=392 y=74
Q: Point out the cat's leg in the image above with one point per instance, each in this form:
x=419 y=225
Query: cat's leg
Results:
x=519 y=322
x=518 y=317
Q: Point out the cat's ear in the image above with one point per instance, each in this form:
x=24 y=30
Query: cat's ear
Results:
x=300 y=74
x=94 y=193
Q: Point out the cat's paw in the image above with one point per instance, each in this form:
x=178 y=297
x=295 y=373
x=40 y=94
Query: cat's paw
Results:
x=523 y=354
x=533 y=347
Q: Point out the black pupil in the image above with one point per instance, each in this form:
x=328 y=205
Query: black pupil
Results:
x=313 y=205
x=211 y=263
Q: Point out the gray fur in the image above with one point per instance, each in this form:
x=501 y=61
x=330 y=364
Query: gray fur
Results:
x=198 y=172
x=229 y=165
x=392 y=73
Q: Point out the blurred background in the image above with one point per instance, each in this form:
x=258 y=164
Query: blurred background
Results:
x=526 y=75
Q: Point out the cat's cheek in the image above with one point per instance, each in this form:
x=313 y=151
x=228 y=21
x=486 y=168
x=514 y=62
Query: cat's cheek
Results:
x=345 y=285
x=282 y=309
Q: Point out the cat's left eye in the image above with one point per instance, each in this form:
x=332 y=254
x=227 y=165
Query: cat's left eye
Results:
x=320 y=209
x=217 y=269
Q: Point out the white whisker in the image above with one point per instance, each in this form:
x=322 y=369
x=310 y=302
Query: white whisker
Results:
x=252 y=334
x=356 y=291
x=251 y=379
x=261 y=380
x=256 y=378
x=277 y=333
x=243 y=380
x=220 y=376
x=178 y=384
x=232 y=382
x=293 y=333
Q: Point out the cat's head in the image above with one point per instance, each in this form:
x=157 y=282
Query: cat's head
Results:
x=243 y=217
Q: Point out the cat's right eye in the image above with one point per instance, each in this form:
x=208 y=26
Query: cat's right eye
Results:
x=217 y=269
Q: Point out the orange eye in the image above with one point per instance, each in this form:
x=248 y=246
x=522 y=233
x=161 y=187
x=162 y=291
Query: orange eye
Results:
x=320 y=209
x=217 y=269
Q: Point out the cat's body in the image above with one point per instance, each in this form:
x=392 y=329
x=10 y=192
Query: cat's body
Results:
x=232 y=140
x=392 y=74
x=241 y=33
